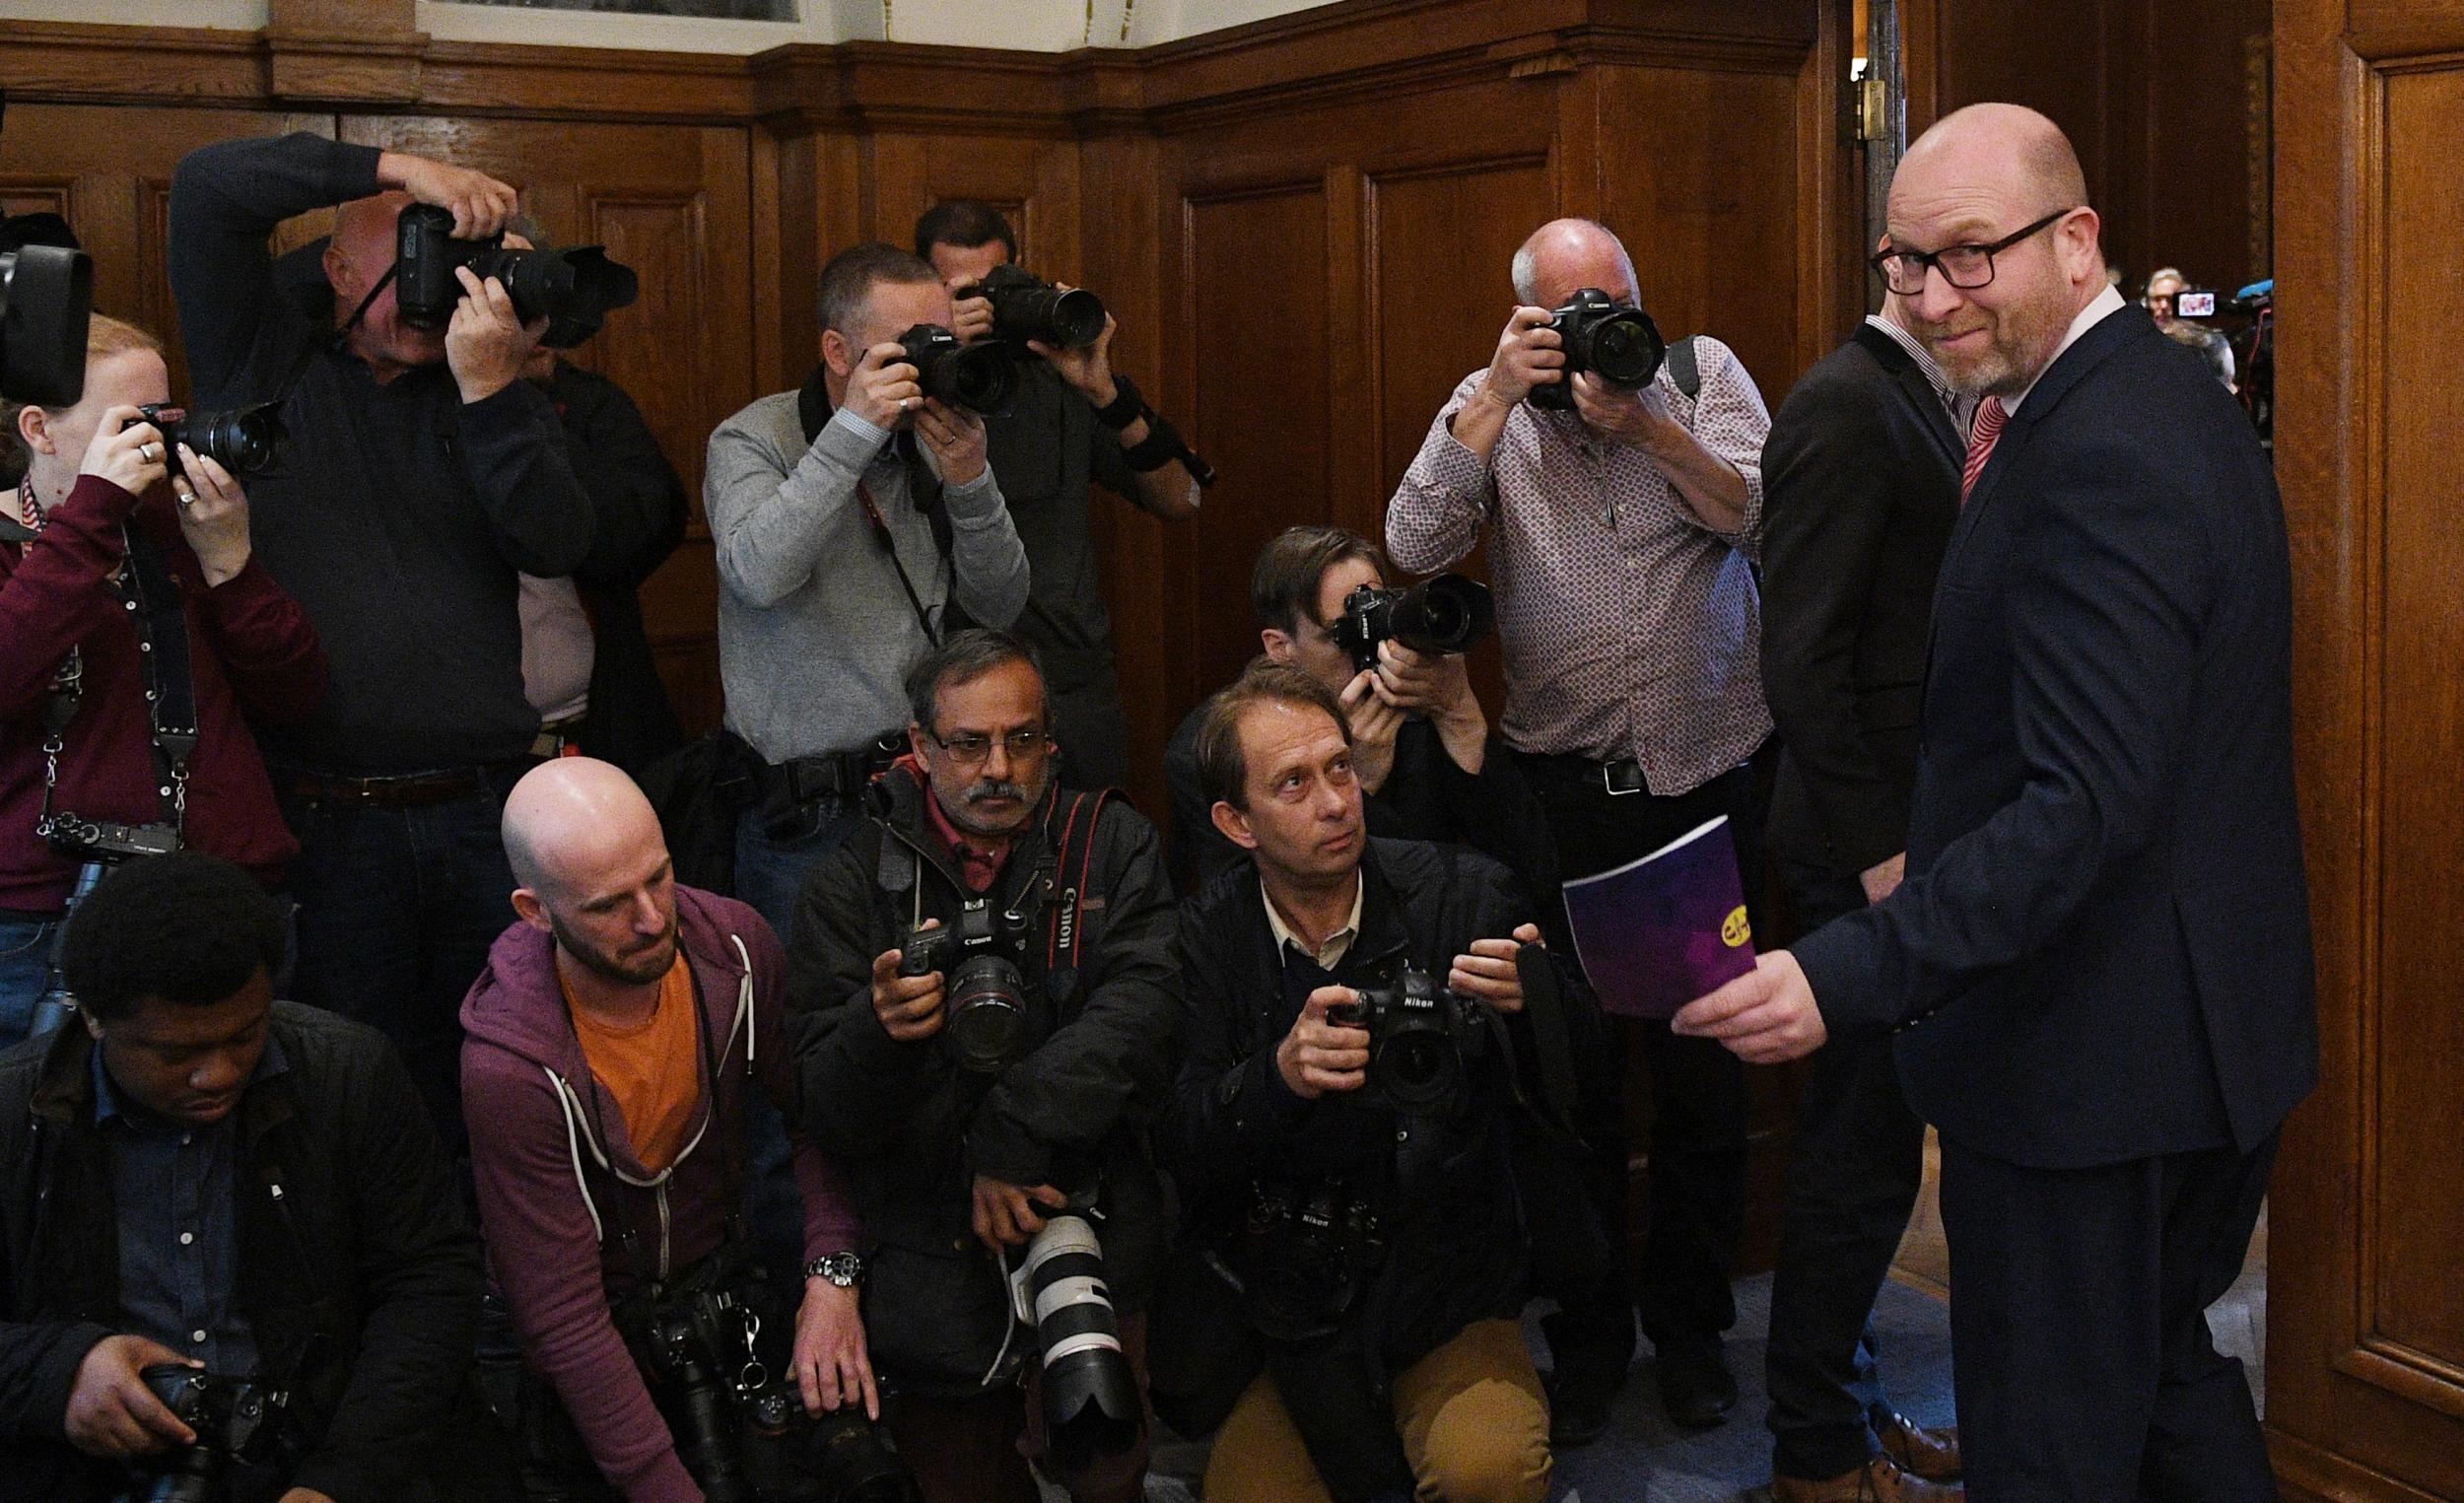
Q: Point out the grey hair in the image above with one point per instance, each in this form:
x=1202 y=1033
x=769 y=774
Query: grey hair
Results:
x=962 y=660
x=1526 y=274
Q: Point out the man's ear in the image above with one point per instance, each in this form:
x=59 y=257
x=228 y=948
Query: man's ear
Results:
x=838 y=351
x=1233 y=824
x=33 y=426
x=1277 y=643
x=528 y=908
x=916 y=740
x=337 y=266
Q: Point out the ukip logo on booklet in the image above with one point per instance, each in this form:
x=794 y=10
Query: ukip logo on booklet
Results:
x=1657 y=932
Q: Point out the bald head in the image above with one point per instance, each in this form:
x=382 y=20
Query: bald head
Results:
x=2012 y=143
x=1566 y=256
x=576 y=824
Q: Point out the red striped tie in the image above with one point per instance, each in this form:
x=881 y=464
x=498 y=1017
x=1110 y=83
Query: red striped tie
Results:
x=1981 y=437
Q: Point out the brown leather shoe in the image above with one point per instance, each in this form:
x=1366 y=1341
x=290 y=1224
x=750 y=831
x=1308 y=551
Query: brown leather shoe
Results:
x=1879 y=1480
x=1932 y=1455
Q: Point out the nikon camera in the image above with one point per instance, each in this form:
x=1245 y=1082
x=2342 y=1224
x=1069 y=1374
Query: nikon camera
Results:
x=1613 y=340
x=576 y=289
x=237 y=1423
x=1421 y=1037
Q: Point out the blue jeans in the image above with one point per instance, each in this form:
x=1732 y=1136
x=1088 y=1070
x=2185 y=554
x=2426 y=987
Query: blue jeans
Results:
x=770 y=873
x=24 y=960
x=397 y=910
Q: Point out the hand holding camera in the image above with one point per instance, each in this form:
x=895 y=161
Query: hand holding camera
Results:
x=882 y=389
x=1530 y=354
x=955 y=437
x=213 y=515
x=1638 y=416
x=480 y=204
x=1008 y=1216
x=1317 y=1055
x=485 y=343
x=127 y=451
x=111 y=1411
x=1490 y=971
x=1375 y=722
x=907 y=1006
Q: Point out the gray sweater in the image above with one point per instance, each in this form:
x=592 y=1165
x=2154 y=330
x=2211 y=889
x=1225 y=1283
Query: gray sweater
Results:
x=816 y=632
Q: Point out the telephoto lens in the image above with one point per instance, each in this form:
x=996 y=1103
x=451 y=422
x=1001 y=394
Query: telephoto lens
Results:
x=1446 y=613
x=576 y=289
x=1091 y=1404
x=976 y=377
x=1026 y=307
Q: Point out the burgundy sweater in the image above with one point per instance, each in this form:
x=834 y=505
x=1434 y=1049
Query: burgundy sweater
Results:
x=251 y=649
x=559 y=1182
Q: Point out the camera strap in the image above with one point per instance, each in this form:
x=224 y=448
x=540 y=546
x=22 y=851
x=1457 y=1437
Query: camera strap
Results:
x=151 y=600
x=1684 y=369
x=1069 y=927
x=880 y=525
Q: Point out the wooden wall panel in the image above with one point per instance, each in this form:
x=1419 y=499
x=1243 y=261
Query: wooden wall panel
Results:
x=2365 y=1322
x=1259 y=398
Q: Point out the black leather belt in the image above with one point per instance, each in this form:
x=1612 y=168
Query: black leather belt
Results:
x=1615 y=778
x=839 y=775
x=408 y=790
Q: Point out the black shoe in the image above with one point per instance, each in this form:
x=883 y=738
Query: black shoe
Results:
x=1695 y=1386
x=1578 y=1411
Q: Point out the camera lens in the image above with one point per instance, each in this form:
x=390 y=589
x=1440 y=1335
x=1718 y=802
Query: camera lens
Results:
x=1626 y=349
x=987 y=1013
x=243 y=441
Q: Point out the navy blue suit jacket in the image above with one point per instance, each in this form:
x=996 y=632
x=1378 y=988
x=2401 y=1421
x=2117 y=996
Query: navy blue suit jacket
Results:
x=2102 y=950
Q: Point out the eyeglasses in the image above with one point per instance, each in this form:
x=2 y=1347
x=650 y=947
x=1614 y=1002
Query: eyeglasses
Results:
x=1965 y=267
x=970 y=748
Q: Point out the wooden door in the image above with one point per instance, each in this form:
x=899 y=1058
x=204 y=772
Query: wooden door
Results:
x=2366 y=1302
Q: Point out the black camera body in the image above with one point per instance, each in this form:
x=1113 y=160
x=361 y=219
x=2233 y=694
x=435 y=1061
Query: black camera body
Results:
x=237 y=1422
x=1421 y=1040
x=1445 y=613
x=2195 y=301
x=1025 y=307
x=976 y=377
x=1615 y=341
x=742 y=1430
x=575 y=287
x=47 y=298
x=244 y=441
x=989 y=1020
x=1308 y=1255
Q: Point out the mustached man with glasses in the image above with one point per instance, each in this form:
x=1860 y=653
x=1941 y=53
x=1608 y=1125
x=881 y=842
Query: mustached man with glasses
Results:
x=977 y=1080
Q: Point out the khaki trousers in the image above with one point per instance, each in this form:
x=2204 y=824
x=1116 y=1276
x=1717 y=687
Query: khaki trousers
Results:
x=1473 y=1417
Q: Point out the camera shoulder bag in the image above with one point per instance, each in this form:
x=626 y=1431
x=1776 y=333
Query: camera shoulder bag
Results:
x=1684 y=369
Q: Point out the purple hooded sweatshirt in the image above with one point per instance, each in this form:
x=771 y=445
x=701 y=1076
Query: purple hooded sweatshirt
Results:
x=559 y=1182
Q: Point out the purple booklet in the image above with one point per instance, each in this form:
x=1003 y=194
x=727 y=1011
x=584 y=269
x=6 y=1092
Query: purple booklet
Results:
x=1663 y=930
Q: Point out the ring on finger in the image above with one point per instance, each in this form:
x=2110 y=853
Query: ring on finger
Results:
x=149 y=452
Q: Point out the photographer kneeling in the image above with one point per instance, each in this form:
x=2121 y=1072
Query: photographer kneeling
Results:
x=612 y=1041
x=231 y=1252
x=136 y=626
x=985 y=974
x=1342 y=1138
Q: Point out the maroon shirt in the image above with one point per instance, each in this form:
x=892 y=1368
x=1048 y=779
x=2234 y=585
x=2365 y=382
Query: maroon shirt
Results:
x=251 y=649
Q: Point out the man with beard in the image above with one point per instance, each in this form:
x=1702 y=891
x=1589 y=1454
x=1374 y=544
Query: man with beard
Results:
x=959 y=1147
x=612 y=1041
x=2099 y=966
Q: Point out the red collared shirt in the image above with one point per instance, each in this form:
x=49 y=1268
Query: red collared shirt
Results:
x=979 y=859
x=1630 y=627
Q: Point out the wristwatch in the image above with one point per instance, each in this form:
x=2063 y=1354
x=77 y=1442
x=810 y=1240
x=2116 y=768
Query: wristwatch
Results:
x=841 y=1268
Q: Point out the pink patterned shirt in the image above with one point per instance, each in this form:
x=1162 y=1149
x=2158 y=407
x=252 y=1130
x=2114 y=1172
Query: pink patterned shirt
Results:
x=1631 y=628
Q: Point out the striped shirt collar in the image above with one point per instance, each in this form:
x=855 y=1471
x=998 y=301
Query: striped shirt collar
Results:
x=1962 y=409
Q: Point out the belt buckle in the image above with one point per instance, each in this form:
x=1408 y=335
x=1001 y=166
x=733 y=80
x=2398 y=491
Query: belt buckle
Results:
x=1609 y=778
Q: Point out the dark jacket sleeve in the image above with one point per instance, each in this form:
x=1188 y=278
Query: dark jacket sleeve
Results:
x=1230 y=1107
x=1116 y=1057
x=1827 y=501
x=419 y=1266
x=2108 y=583
x=240 y=335
x=1428 y=796
x=638 y=501
x=857 y=1083
x=828 y=1202
x=514 y=454
x=38 y=1362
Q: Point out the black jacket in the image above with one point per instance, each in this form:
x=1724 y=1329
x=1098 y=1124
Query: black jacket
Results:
x=398 y=515
x=909 y=1127
x=2103 y=944
x=1861 y=484
x=1455 y=1253
x=640 y=507
x=357 y=1271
